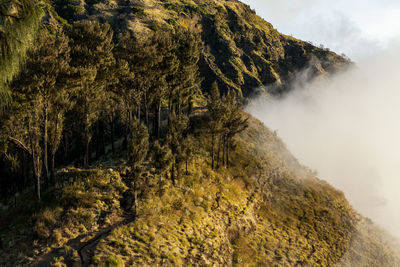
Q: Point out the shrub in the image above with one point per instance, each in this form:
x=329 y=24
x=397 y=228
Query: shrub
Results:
x=114 y=261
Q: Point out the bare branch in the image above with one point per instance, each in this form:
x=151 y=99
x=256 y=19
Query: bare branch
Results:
x=19 y=144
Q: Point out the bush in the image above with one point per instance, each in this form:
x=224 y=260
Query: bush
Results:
x=114 y=262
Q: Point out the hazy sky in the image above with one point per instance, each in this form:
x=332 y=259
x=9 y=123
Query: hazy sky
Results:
x=353 y=27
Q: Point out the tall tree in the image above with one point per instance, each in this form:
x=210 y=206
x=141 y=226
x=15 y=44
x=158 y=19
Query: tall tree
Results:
x=184 y=85
x=47 y=67
x=175 y=138
x=23 y=127
x=137 y=152
x=161 y=157
x=37 y=92
x=162 y=73
x=234 y=122
x=19 y=21
x=141 y=55
x=214 y=105
x=92 y=58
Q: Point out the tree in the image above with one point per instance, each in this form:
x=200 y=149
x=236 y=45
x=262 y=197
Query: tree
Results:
x=19 y=22
x=45 y=73
x=214 y=105
x=23 y=128
x=175 y=138
x=233 y=122
x=188 y=149
x=37 y=92
x=137 y=152
x=161 y=158
x=92 y=58
x=141 y=55
x=184 y=84
x=163 y=72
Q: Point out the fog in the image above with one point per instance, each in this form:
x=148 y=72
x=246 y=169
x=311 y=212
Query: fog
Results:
x=347 y=128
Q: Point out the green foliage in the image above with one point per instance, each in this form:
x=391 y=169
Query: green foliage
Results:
x=93 y=59
x=161 y=157
x=19 y=21
x=138 y=148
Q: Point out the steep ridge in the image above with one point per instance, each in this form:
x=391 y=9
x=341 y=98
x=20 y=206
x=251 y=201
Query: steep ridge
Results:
x=241 y=51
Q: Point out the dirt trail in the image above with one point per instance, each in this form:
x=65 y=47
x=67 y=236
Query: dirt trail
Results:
x=84 y=251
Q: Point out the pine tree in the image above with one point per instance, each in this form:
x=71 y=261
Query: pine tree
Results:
x=184 y=84
x=137 y=153
x=188 y=150
x=163 y=72
x=38 y=93
x=233 y=122
x=175 y=139
x=141 y=55
x=23 y=128
x=46 y=69
x=161 y=157
x=214 y=105
x=92 y=57
x=19 y=22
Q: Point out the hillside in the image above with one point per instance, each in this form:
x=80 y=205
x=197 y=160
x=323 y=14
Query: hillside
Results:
x=265 y=210
x=241 y=50
x=125 y=144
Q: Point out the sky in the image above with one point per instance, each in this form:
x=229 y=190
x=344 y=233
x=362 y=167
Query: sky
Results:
x=345 y=127
x=353 y=27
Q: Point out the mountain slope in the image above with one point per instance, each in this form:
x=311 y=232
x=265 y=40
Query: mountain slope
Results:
x=265 y=210
x=241 y=51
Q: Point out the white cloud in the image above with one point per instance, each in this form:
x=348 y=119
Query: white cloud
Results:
x=348 y=129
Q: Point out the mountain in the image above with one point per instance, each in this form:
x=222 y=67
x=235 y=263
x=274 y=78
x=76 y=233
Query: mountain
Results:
x=241 y=51
x=258 y=206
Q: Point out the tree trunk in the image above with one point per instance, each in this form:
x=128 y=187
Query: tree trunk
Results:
x=157 y=120
x=173 y=174
x=86 y=158
x=127 y=126
x=212 y=149
x=45 y=150
x=25 y=169
x=178 y=171
x=135 y=201
x=37 y=189
x=219 y=151
x=187 y=172
x=102 y=137
x=36 y=171
x=146 y=110
x=139 y=107
x=112 y=133
x=53 y=155
x=223 y=152
x=227 y=154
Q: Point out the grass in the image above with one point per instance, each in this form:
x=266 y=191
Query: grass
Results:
x=294 y=218
x=81 y=200
x=266 y=209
